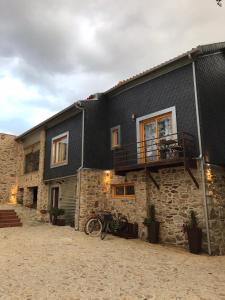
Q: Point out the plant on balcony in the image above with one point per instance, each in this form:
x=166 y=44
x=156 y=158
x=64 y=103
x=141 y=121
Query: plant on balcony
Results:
x=194 y=234
x=152 y=225
x=57 y=216
x=163 y=148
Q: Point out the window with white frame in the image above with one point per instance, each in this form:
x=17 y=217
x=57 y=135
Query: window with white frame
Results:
x=153 y=131
x=60 y=149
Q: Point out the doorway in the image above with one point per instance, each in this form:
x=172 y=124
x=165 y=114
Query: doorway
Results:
x=54 y=197
x=153 y=131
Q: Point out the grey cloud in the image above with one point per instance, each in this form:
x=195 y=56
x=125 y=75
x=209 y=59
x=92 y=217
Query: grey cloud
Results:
x=68 y=49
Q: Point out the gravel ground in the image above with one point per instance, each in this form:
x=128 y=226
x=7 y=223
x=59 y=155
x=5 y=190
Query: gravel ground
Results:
x=50 y=262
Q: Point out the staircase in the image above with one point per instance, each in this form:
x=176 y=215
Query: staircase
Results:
x=9 y=218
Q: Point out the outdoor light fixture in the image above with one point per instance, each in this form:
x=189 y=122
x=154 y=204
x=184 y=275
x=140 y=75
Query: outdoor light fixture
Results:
x=133 y=117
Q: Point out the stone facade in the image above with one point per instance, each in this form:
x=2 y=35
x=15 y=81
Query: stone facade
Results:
x=174 y=200
x=27 y=181
x=8 y=158
x=215 y=193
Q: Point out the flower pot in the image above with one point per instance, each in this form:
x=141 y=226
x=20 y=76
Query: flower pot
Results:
x=194 y=239
x=60 y=222
x=153 y=232
x=43 y=211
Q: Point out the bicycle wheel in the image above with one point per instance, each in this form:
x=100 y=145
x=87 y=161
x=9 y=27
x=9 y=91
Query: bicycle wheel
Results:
x=94 y=227
x=85 y=226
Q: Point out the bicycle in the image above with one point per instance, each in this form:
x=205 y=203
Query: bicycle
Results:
x=105 y=222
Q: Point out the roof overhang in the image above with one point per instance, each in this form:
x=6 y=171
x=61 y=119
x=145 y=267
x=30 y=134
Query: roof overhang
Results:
x=61 y=116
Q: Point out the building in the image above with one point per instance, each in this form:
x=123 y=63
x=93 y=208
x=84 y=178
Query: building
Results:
x=156 y=138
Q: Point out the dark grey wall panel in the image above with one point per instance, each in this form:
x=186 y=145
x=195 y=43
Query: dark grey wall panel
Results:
x=96 y=137
x=172 y=89
x=210 y=73
x=74 y=126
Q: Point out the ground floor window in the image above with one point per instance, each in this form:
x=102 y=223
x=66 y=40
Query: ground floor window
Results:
x=123 y=190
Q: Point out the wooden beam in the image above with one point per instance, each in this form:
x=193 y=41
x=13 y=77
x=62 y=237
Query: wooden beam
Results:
x=152 y=178
x=192 y=176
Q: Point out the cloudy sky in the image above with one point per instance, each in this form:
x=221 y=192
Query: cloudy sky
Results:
x=54 y=52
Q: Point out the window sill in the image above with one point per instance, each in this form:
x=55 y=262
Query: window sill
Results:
x=124 y=197
x=29 y=173
x=59 y=164
x=115 y=147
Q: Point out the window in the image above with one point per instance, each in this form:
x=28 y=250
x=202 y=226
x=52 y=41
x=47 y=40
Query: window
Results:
x=60 y=150
x=123 y=190
x=154 y=130
x=32 y=162
x=115 y=137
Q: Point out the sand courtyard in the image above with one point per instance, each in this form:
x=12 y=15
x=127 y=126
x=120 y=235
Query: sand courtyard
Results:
x=42 y=261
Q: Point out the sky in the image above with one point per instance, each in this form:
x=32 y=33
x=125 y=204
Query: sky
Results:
x=55 y=52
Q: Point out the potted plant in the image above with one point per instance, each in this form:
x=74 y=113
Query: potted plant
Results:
x=163 y=148
x=194 y=234
x=152 y=225
x=57 y=216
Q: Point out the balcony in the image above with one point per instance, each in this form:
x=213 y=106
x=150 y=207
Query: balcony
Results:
x=169 y=151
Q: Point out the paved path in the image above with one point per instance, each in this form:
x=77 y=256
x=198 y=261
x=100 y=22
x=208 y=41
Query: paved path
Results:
x=50 y=262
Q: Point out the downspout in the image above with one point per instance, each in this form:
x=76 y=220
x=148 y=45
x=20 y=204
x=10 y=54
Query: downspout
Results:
x=79 y=172
x=202 y=159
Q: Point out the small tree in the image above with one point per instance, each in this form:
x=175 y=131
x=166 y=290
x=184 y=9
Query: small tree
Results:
x=219 y=2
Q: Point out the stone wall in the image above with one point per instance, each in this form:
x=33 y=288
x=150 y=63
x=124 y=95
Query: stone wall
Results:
x=92 y=190
x=215 y=193
x=8 y=157
x=25 y=181
x=176 y=197
x=173 y=202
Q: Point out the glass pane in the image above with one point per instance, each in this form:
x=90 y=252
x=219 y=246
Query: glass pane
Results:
x=150 y=142
x=115 y=137
x=119 y=190
x=129 y=190
x=164 y=127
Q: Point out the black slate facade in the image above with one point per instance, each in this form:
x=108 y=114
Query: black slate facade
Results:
x=74 y=127
x=210 y=74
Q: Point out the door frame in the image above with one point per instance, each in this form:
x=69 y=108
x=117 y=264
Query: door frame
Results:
x=143 y=119
x=59 y=197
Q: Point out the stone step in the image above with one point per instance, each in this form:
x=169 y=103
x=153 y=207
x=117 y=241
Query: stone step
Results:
x=15 y=224
x=6 y=210
x=9 y=218
x=15 y=220
x=8 y=213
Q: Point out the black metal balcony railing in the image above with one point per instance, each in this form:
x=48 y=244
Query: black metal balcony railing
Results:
x=170 y=149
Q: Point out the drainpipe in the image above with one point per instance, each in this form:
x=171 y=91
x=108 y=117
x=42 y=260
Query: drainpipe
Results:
x=79 y=173
x=202 y=159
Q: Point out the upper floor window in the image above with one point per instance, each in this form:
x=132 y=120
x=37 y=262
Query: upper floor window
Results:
x=115 y=137
x=32 y=162
x=60 y=149
x=154 y=133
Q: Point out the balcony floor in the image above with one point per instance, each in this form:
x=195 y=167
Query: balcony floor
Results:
x=155 y=165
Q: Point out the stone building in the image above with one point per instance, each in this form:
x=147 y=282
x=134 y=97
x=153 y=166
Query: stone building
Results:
x=8 y=159
x=151 y=139
x=31 y=190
